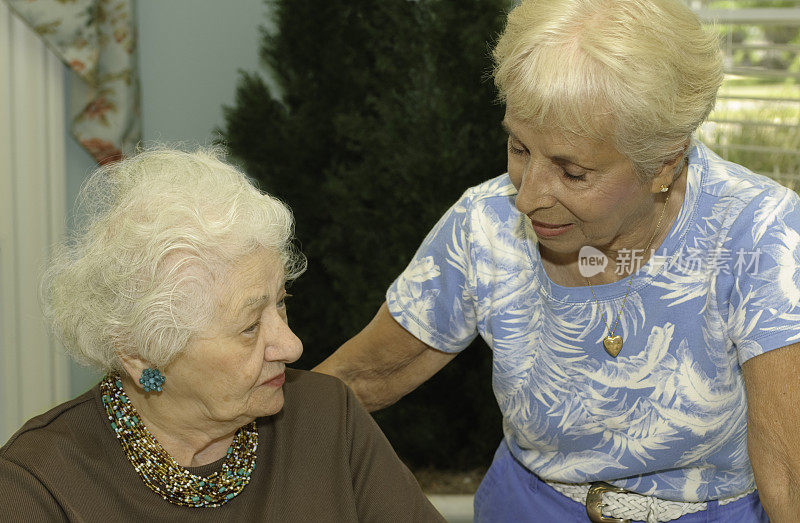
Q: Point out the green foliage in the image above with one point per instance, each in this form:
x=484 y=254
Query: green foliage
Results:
x=385 y=115
x=768 y=143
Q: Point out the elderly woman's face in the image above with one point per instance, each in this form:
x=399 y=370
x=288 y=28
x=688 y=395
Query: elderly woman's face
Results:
x=235 y=369
x=576 y=192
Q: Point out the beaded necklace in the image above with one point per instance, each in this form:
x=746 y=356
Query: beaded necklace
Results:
x=161 y=473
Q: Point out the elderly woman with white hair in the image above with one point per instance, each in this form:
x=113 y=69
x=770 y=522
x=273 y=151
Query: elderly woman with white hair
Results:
x=640 y=295
x=175 y=288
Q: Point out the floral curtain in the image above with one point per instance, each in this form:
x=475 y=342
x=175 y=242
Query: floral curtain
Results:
x=97 y=40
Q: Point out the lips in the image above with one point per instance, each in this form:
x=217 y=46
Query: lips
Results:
x=548 y=225
x=276 y=381
x=549 y=230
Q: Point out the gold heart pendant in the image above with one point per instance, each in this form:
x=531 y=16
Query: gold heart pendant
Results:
x=612 y=344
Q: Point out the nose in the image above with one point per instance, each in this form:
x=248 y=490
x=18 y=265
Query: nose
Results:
x=535 y=189
x=282 y=343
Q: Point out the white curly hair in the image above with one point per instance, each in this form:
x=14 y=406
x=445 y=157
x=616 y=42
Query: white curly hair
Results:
x=157 y=230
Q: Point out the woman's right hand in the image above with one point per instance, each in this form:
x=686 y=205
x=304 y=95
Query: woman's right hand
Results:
x=384 y=362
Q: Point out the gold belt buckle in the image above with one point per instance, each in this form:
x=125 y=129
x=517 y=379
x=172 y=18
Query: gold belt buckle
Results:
x=594 y=502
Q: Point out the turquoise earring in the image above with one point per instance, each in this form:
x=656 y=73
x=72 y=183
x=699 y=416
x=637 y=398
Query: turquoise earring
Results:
x=152 y=379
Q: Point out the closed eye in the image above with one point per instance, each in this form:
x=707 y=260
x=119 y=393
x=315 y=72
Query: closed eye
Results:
x=572 y=177
x=252 y=328
x=513 y=148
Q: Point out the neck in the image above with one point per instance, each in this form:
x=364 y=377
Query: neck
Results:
x=631 y=250
x=189 y=442
x=628 y=254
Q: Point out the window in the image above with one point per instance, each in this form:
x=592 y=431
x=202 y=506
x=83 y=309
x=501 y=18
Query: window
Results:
x=756 y=121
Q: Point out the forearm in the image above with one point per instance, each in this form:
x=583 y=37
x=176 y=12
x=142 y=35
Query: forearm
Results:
x=383 y=362
x=374 y=382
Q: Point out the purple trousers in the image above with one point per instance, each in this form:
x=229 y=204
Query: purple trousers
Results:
x=510 y=493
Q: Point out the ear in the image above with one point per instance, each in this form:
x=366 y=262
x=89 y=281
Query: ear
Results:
x=133 y=365
x=669 y=171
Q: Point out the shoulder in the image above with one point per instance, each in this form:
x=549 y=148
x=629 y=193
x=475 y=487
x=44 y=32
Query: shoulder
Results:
x=726 y=180
x=56 y=436
x=488 y=209
x=745 y=203
x=309 y=384
x=307 y=391
x=498 y=189
x=319 y=407
x=46 y=428
x=493 y=197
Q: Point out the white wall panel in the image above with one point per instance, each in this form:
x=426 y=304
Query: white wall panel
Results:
x=33 y=371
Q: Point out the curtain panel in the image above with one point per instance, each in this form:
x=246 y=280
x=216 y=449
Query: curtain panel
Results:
x=34 y=371
x=96 y=39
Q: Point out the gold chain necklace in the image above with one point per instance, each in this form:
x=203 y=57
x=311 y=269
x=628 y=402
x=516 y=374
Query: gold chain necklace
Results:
x=613 y=343
x=160 y=472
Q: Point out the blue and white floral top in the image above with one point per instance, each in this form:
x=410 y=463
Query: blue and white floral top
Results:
x=667 y=417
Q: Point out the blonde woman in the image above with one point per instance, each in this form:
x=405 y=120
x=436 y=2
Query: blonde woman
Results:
x=176 y=289
x=641 y=296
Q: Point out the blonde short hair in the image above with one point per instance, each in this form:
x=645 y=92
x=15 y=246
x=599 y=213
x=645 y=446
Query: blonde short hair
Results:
x=158 y=230
x=641 y=73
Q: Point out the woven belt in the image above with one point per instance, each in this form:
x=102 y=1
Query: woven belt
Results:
x=609 y=504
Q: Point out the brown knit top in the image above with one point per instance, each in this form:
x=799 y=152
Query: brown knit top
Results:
x=322 y=458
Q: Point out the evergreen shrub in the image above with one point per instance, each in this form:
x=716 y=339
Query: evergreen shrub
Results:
x=384 y=114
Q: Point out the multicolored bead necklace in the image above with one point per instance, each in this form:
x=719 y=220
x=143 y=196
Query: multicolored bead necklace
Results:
x=161 y=473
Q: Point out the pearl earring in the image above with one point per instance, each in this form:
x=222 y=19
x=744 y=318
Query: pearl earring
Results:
x=664 y=188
